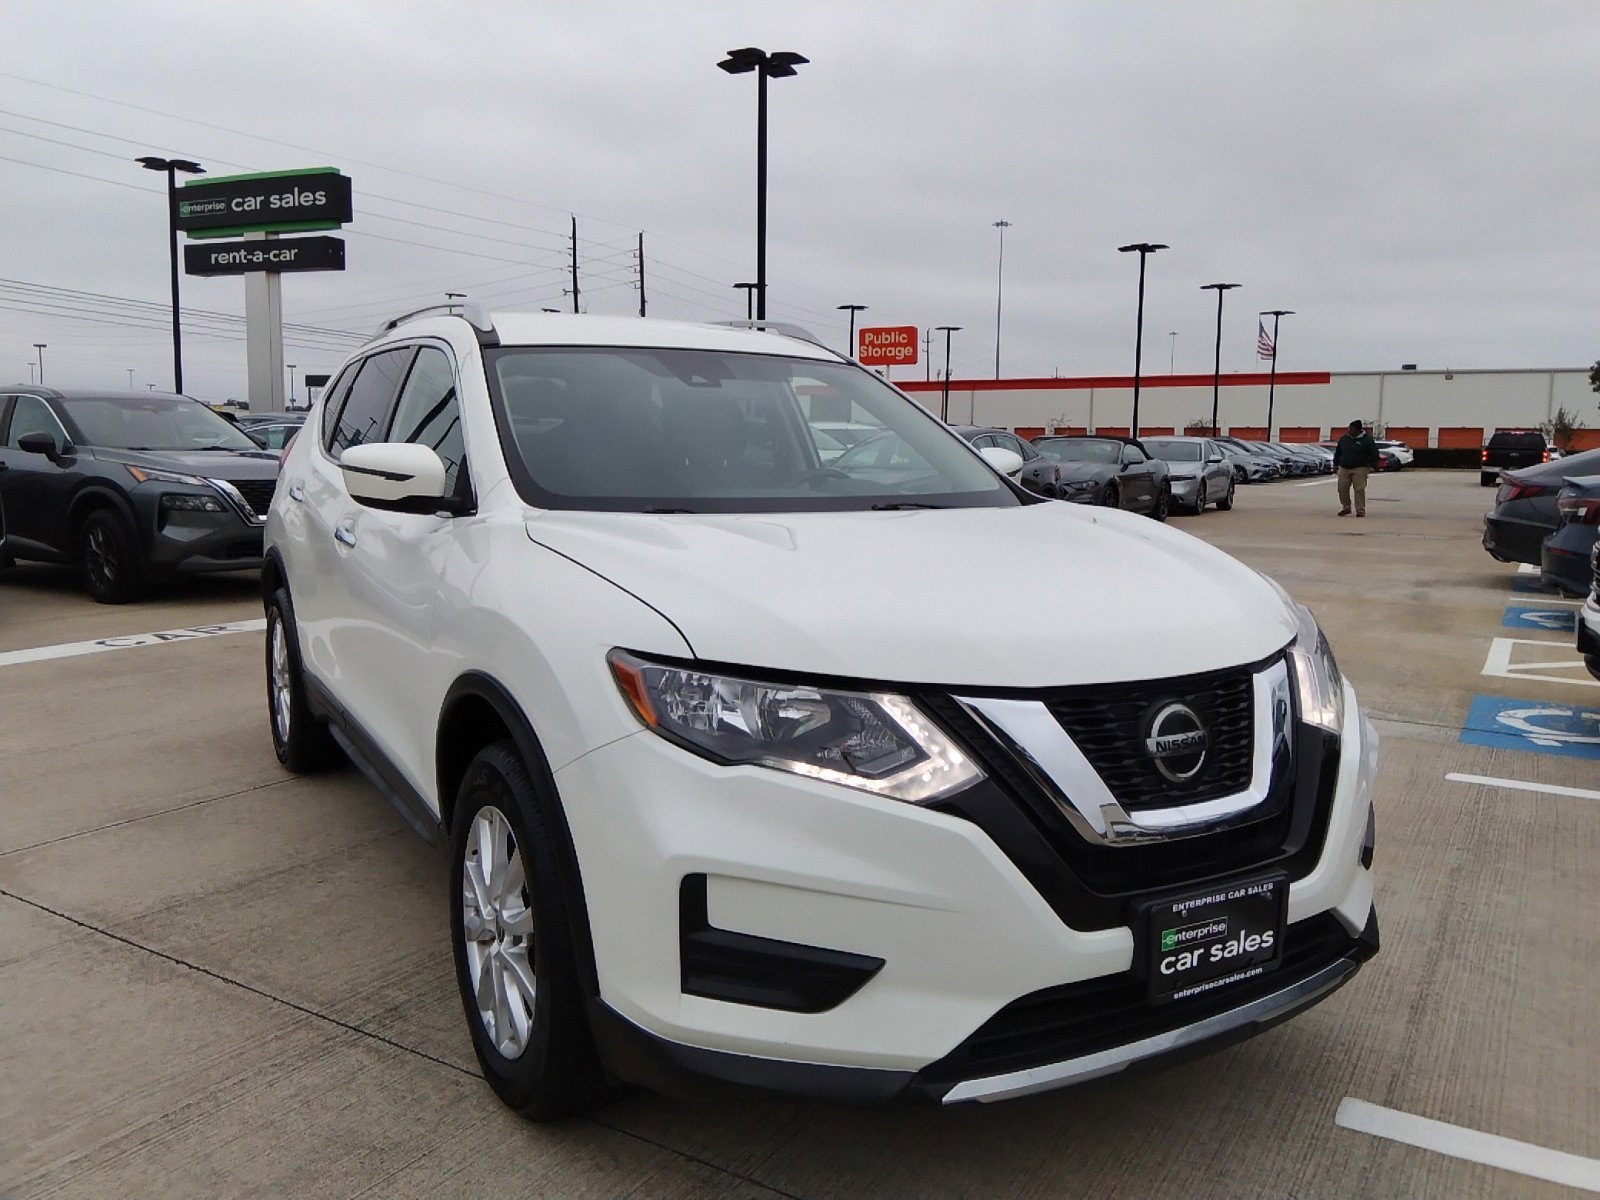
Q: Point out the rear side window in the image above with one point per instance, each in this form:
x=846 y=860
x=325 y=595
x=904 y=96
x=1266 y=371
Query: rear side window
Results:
x=365 y=414
x=429 y=412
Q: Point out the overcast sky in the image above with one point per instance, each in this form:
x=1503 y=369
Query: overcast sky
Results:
x=1419 y=181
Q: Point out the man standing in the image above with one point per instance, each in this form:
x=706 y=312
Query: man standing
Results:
x=1354 y=456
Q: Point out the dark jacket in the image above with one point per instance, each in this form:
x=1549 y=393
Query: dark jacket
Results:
x=1357 y=450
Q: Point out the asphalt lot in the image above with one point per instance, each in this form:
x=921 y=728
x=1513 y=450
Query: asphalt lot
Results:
x=217 y=979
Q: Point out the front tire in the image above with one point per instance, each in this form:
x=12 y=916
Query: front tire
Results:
x=1162 y=508
x=1200 y=500
x=300 y=740
x=1226 y=503
x=1110 y=496
x=112 y=573
x=515 y=962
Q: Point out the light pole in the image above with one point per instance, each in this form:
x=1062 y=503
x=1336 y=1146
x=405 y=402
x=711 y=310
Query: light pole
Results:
x=999 y=291
x=944 y=400
x=450 y=299
x=1172 y=356
x=853 y=309
x=778 y=65
x=749 y=290
x=1272 y=380
x=291 y=367
x=41 y=347
x=1216 y=367
x=172 y=166
x=1144 y=250
x=130 y=379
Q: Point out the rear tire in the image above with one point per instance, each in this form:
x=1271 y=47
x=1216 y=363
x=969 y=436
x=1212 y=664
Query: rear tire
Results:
x=299 y=738
x=112 y=572
x=512 y=936
x=1486 y=479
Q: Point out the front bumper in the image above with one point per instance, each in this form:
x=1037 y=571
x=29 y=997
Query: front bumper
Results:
x=958 y=935
x=196 y=543
x=1185 y=489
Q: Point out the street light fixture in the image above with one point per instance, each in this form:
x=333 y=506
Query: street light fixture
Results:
x=172 y=166
x=291 y=367
x=778 y=65
x=1216 y=367
x=1144 y=250
x=1272 y=382
x=450 y=299
x=130 y=379
x=41 y=347
x=749 y=299
x=852 y=309
x=1172 y=357
x=944 y=400
x=999 y=291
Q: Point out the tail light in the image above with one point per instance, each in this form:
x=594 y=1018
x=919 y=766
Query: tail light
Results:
x=1579 y=510
x=1545 y=457
x=1485 y=455
x=1512 y=490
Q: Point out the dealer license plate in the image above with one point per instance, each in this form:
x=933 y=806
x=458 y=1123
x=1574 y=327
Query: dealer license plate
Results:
x=1203 y=940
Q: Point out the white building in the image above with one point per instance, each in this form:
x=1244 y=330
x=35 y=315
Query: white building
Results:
x=1422 y=408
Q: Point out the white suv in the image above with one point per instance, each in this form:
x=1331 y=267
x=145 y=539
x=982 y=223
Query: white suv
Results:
x=751 y=771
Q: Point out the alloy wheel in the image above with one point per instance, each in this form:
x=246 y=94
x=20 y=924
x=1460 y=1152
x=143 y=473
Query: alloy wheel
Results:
x=282 y=682
x=497 y=932
x=101 y=557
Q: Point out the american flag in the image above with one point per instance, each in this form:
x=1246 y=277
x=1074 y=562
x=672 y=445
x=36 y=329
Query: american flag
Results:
x=1264 y=341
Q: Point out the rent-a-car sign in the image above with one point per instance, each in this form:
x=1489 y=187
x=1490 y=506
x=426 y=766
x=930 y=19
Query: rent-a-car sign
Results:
x=887 y=346
x=316 y=198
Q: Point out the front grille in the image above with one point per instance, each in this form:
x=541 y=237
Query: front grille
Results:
x=1108 y=726
x=1076 y=1019
x=257 y=493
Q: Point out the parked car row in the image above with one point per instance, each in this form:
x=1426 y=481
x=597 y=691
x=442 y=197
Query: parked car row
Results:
x=1548 y=514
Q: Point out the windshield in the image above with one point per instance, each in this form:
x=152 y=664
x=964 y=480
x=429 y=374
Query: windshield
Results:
x=626 y=429
x=152 y=423
x=1089 y=450
x=1174 y=451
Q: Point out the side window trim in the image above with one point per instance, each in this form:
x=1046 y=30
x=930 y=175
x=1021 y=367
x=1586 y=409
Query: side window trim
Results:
x=6 y=402
x=333 y=402
x=326 y=443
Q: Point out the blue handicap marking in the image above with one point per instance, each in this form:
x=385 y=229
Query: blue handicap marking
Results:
x=1543 y=726
x=1530 y=585
x=1551 y=620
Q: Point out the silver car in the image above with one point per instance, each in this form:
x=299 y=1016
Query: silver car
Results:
x=1201 y=474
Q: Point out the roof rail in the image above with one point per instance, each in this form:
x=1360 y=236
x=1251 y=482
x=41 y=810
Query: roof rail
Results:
x=473 y=313
x=781 y=327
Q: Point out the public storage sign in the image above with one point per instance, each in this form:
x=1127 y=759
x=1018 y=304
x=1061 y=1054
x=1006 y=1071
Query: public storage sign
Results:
x=887 y=346
x=314 y=198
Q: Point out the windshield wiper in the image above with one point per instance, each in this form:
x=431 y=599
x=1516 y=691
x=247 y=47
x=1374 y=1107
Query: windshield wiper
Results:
x=665 y=511
x=901 y=504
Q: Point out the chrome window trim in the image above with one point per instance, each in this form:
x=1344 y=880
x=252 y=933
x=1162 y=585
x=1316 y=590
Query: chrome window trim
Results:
x=1043 y=748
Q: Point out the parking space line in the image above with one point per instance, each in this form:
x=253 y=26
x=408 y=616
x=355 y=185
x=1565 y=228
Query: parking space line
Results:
x=1314 y=482
x=1527 y=569
x=1490 y=1149
x=132 y=641
x=1499 y=664
x=1519 y=785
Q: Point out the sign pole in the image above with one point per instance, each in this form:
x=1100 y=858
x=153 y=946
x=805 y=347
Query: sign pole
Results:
x=263 y=318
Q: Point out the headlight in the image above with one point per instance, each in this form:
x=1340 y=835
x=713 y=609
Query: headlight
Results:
x=1079 y=485
x=184 y=502
x=874 y=741
x=1316 y=675
x=150 y=474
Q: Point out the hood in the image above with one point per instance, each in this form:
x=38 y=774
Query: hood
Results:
x=1041 y=595
x=1077 y=472
x=209 y=464
x=1185 y=470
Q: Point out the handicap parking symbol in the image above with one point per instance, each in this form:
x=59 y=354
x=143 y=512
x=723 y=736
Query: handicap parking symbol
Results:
x=1538 y=725
x=1531 y=585
x=1553 y=620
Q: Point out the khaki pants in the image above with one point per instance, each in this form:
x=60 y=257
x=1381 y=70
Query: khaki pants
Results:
x=1353 y=477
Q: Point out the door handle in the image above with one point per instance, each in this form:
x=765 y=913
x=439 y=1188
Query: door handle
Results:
x=344 y=534
x=297 y=493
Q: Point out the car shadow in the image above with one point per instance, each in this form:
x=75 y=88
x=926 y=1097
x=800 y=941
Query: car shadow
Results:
x=47 y=579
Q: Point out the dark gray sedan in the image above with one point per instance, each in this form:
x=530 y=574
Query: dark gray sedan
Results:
x=1564 y=557
x=1112 y=471
x=1200 y=472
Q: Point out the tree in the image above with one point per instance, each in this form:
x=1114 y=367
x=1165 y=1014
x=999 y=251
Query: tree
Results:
x=1197 y=426
x=1594 y=377
x=1558 y=430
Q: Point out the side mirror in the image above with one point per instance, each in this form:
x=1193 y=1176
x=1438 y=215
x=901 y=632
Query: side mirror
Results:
x=39 y=443
x=1007 y=462
x=398 y=476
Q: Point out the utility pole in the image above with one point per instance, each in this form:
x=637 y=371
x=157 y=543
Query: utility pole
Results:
x=927 y=351
x=999 y=291
x=944 y=400
x=41 y=347
x=574 y=263
x=1216 y=369
x=641 y=272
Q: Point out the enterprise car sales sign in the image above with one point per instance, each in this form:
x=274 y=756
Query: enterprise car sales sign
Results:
x=276 y=202
x=886 y=345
